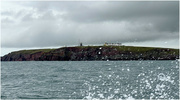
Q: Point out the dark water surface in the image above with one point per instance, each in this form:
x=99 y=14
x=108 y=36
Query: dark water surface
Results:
x=90 y=80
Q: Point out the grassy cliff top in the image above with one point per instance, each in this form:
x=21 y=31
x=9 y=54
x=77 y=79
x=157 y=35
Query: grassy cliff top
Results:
x=32 y=51
x=134 y=49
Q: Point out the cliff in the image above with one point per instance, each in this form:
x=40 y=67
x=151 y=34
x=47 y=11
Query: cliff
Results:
x=94 y=53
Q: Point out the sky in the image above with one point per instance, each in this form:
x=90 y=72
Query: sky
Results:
x=54 y=24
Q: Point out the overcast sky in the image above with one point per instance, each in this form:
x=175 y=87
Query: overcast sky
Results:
x=53 y=24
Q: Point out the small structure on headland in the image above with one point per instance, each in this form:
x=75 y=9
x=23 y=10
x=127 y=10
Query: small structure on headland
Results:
x=112 y=44
x=80 y=44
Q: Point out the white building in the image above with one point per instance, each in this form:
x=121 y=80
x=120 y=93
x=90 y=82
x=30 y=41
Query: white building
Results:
x=112 y=44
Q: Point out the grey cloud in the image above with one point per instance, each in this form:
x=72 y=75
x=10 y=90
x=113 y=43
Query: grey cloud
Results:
x=123 y=10
x=7 y=20
x=6 y=13
x=164 y=15
x=90 y=22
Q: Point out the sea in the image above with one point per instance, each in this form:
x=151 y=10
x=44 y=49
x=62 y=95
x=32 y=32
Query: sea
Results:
x=90 y=79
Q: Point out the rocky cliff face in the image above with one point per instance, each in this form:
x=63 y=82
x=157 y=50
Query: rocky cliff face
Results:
x=94 y=53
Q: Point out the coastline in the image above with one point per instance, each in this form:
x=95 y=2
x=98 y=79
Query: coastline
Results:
x=94 y=53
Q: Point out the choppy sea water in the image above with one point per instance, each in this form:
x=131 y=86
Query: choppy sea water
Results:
x=90 y=80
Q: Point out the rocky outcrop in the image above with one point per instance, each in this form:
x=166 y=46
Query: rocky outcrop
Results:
x=94 y=53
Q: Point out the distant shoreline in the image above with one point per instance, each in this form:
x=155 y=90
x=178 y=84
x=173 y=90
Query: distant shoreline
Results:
x=94 y=53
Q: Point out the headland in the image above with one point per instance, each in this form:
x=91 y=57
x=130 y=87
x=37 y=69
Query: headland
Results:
x=94 y=53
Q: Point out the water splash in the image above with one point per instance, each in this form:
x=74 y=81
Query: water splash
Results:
x=149 y=84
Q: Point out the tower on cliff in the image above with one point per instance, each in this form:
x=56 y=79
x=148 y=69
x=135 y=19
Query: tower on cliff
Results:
x=80 y=44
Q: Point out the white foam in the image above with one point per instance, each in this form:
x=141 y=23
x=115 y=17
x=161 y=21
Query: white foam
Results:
x=163 y=77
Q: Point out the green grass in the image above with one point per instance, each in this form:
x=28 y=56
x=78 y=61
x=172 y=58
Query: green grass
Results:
x=119 y=48
x=131 y=48
x=33 y=51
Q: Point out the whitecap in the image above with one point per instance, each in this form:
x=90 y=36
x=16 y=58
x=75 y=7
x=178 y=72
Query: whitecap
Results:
x=163 y=77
